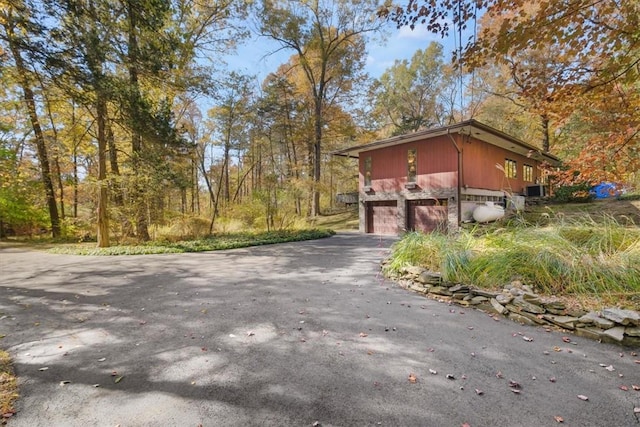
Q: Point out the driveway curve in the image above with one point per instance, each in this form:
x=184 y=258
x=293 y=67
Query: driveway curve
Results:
x=284 y=335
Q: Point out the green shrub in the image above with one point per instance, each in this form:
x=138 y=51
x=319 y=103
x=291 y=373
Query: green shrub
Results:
x=577 y=193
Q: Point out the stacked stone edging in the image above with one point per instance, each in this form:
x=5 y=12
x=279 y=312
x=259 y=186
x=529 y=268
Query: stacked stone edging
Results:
x=520 y=303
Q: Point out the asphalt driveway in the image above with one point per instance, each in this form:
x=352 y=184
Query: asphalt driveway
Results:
x=284 y=335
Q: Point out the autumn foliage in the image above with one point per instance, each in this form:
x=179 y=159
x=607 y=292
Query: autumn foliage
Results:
x=574 y=65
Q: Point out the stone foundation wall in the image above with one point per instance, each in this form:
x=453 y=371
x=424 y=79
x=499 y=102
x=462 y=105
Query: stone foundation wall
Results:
x=518 y=302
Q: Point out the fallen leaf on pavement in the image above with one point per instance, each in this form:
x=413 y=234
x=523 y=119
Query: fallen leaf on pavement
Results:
x=624 y=388
x=566 y=339
x=515 y=390
x=552 y=379
x=556 y=348
x=117 y=380
x=433 y=372
x=636 y=387
x=413 y=378
x=582 y=397
x=558 y=419
x=610 y=368
x=363 y=335
x=514 y=384
x=499 y=375
x=479 y=392
x=527 y=339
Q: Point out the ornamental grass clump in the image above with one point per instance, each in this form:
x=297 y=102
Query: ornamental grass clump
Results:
x=583 y=258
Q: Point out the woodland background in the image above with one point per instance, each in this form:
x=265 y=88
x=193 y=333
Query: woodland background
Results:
x=119 y=120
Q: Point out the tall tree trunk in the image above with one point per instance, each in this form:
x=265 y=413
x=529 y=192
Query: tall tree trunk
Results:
x=140 y=202
x=317 y=144
x=545 y=133
x=41 y=148
x=103 y=218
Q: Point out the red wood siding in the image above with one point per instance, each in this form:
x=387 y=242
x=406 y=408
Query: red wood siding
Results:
x=437 y=165
x=479 y=161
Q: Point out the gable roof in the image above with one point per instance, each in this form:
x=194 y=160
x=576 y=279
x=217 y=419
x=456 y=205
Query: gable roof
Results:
x=469 y=127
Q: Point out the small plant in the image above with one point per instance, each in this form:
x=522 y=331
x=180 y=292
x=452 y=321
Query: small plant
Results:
x=8 y=387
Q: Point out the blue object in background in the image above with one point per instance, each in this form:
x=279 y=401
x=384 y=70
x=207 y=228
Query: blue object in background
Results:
x=604 y=190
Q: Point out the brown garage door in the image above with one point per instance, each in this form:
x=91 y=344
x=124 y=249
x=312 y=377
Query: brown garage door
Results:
x=382 y=217
x=427 y=215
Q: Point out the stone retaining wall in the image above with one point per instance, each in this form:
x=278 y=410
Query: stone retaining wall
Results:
x=518 y=302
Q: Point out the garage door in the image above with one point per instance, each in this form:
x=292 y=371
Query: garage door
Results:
x=427 y=215
x=382 y=217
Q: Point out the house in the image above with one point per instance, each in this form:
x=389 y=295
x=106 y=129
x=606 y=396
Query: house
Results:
x=435 y=178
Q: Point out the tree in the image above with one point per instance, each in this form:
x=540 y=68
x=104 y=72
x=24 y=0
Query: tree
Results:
x=15 y=30
x=229 y=125
x=406 y=96
x=327 y=37
x=595 y=55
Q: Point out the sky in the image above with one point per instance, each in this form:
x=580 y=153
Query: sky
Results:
x=254 y=56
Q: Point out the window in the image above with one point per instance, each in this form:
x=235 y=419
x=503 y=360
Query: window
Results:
x=367 y=171
x=510 y=168
x=527 y=173
x=411 y=165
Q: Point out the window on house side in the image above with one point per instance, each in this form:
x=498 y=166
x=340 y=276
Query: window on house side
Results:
x=411 y=165
x=527 y=173
x=510 y=168
x=367 y=171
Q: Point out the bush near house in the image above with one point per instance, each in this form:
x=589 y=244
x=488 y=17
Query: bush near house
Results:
x=597 y=262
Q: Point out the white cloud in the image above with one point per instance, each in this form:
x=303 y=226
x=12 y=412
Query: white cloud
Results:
x=420 y=32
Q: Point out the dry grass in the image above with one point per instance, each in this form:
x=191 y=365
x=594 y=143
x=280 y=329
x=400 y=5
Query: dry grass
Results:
x=8 y=388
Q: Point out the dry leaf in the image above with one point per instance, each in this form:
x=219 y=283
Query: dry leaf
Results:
x=636 y=387
x=552 y=379
x=610 y=368
x=556 y=348
x=499 y=375
x=413 y=378
x=515 y=390
x=527 y=339
x=513 y=384
x=479 y=392
x=558 y=419
x=624 y=388
x=433 y=372
x=582 y=397
x=250 y=333
x=363 y=335
x=117 y=380
x=566 y=339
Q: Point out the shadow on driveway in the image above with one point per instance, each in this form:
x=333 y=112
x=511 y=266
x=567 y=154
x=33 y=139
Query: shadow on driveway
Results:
x=284 y=334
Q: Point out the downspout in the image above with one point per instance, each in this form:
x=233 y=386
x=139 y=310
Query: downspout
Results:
x=459 y=150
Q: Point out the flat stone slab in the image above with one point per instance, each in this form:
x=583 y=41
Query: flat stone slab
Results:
x=623 y=317
x=616 y=333
x=567 y=322
x=593 y=318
